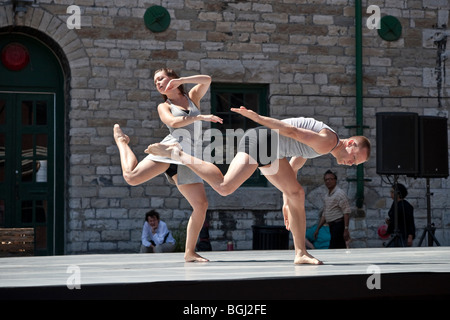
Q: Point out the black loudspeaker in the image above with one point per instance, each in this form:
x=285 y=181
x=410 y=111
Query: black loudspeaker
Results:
x=397 y=143
x=433 y=147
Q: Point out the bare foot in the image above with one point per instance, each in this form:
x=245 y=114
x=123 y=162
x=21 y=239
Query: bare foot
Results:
x=119 y=136
x=159 y=149
x=306 y=258
x=194 y=257
x=164 y=150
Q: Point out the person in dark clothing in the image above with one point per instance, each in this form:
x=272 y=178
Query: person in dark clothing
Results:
x=406 y=226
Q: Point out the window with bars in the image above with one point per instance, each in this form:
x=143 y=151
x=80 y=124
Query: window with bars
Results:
x=225 y=96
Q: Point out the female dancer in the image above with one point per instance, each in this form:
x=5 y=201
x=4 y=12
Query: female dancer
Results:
x=300 y=138
x=179 y=110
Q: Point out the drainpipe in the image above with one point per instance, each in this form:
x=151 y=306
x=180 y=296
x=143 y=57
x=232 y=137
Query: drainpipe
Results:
x=359 y=100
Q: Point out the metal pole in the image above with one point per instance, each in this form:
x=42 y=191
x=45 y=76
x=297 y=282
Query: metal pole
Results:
x=359 y=99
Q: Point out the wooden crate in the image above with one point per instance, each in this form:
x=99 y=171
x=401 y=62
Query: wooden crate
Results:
x=16 y=242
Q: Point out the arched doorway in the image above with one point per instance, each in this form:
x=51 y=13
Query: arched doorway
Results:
x=32 y=137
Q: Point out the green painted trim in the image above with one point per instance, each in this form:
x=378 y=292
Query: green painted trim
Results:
x=359 y=99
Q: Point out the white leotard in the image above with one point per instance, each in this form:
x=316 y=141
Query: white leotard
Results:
x=189 y=137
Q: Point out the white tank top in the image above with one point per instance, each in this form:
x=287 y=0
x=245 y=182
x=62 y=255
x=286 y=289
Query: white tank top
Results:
x=289 y=147
x=189 y=137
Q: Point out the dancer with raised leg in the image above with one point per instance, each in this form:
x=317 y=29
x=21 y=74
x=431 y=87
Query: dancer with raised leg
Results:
x=300 y=138
x=179 y=110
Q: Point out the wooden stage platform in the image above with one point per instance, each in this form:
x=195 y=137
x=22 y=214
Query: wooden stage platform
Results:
x=381 y=273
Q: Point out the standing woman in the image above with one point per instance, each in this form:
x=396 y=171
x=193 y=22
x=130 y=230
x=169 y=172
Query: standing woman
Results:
x=180 y=111
x=405 y=218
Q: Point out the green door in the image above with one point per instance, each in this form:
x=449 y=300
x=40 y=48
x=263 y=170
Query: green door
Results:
x=33 y=137
x=26 y=154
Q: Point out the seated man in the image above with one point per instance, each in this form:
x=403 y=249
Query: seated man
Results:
x=156 y=237
x=300 y=138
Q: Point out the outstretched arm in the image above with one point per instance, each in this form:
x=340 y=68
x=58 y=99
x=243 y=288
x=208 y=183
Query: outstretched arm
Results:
x=169 y=119
x=321 y=142
x=275 y=124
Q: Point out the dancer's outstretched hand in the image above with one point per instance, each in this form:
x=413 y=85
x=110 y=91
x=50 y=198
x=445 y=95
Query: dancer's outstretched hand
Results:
x=210 y=118
x=252 y=115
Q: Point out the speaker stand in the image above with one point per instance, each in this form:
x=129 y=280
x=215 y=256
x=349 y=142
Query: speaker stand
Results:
x=396 y=240
x=430 y=226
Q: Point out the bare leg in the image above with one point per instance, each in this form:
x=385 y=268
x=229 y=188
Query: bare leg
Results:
x=240 y=168
x=286 y=212
x=196 y=196
x=135 y=173
x=285 y=180
x=128 y=160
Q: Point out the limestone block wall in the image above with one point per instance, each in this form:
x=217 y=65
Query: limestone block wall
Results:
x=304 y=50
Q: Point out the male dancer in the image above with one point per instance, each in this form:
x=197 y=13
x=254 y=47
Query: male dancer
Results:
x=301 y=139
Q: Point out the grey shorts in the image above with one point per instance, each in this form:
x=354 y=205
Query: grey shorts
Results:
x=261 y=144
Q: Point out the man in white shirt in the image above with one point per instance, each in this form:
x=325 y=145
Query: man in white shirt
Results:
x=336 y=212
x=156 y=237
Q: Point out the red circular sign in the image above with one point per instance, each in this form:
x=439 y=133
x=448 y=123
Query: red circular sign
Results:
x=15 y=56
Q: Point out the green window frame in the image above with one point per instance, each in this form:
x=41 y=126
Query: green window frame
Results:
x=233 y=95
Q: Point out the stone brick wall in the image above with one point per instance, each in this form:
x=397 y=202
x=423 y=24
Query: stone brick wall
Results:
x=305 y=51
